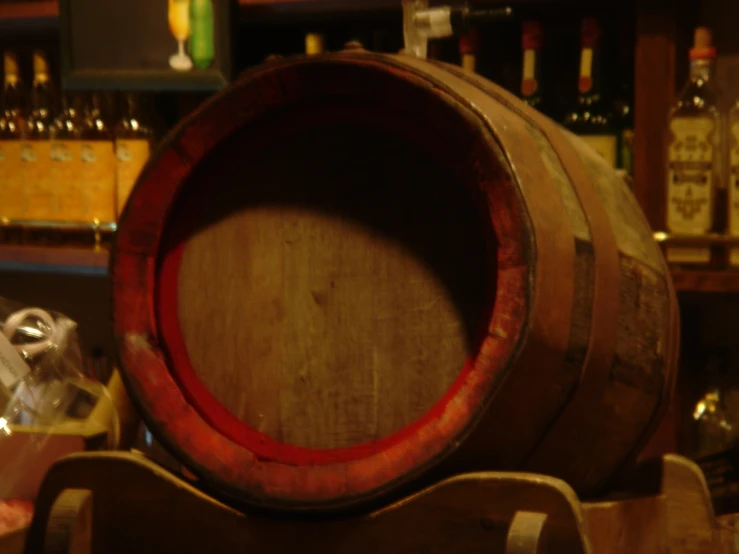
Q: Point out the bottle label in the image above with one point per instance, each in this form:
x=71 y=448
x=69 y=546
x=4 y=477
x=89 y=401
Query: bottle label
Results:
x=11 y=191
x=528 y=83
x=690 y=185
x=40 y=203
x=132 y=156
x=97 y=179
x=66 y=161
x=734 y=190
x=690 y=176
x=586 y=70
x=605 y=145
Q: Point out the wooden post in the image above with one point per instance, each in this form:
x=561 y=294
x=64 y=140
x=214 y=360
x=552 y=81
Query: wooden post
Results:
x=654 y=92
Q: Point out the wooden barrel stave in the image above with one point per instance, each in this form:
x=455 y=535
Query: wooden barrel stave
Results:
x=553 y=320
x=595 y=425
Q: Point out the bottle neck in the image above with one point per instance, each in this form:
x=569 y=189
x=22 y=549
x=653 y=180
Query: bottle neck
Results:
x=132 y=105
x=531 y=76
x=589 y=84
x=12 y=98
x=41 y=98
x=701 y=70
x=95 y=103
x=71 y=103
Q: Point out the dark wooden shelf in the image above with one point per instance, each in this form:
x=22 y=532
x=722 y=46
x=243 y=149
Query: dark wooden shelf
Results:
x=286 y=11
x=29 y=9
x=28 y=16
x=257 y=11
x=706 y=281
x=38 y=259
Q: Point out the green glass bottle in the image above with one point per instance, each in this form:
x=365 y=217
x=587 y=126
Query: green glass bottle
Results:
x=201 y=38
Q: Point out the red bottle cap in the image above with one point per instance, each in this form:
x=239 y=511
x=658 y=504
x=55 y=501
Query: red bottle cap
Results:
x=703 y=48
x=469 y=43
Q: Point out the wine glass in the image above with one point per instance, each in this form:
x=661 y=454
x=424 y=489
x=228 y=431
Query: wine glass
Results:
x=179 y=24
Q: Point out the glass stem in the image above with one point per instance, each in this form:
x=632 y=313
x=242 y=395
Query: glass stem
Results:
x=181 y=46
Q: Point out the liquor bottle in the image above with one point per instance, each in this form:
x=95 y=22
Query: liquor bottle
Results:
x=314 y=44
x=469 y=45
x=695 y=192
x=715 y=427
x=98 y=167
x=11 y=123
x=66 y=160
x=202 y=48
x=623 y=106
x=531 y=75
x=36 y=146
x=715 y=434
x=591 y=118
x=134 y=134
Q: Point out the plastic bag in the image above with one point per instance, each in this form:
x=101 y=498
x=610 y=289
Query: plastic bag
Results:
x=45 y=395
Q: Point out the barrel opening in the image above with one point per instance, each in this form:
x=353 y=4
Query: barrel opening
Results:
x=353 y=270
x=322 y=279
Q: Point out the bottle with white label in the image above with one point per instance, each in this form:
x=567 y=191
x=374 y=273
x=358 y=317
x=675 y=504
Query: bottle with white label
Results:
x=592 y=117
x=696 y=195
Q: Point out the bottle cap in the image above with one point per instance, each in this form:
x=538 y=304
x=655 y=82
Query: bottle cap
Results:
x=703 y=48
x=314 y=43
x=532 y=36
x=10 y=67
x=469 y=43
x=590 y=32
x=40 y=67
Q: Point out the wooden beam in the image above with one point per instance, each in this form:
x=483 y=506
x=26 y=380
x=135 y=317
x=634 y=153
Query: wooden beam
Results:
x=654 y=93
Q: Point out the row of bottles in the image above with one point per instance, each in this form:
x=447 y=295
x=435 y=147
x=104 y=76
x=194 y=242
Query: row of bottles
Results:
x=602 y=117
x=605 y=122
x=64 y=158
x=702 y=166
x=63 y=184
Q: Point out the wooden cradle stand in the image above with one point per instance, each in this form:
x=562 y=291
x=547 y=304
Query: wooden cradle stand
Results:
x=113 y=502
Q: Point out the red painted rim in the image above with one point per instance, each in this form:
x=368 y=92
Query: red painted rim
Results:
x=209 y=407
x=234 y=457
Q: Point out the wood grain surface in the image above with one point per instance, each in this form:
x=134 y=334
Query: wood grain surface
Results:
x=334 y=300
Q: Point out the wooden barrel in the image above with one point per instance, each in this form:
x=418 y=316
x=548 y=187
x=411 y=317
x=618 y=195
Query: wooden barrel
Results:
x=347 y=275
